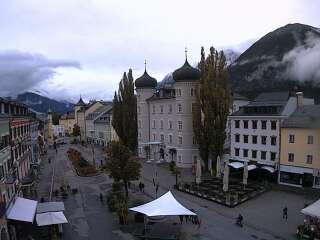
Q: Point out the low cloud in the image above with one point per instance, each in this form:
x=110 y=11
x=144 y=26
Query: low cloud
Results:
x=303 y=62
x=22 y=71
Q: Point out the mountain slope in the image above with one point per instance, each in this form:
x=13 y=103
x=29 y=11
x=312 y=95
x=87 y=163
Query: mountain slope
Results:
x=41 y=104
x=286 y=59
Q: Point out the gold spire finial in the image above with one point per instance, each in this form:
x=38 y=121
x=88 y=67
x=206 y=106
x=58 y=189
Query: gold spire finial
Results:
x=145 y=65
x=186 y=52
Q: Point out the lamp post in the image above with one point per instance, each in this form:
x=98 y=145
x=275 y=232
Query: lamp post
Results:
x=93 y=159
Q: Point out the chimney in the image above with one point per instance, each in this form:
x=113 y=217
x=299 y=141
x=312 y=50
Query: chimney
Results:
x=299 y=99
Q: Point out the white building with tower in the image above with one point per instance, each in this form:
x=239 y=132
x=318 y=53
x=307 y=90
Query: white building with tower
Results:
x=164 y=113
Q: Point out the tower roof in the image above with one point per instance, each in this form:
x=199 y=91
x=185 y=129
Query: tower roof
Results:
x=186 y=73
x=80 y=102
x=145 y=81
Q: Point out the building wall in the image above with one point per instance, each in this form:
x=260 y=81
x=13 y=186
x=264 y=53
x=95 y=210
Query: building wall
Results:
x=300 y=148
x=259 y=132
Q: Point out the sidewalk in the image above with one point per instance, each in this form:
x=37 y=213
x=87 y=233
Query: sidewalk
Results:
x=262 y=214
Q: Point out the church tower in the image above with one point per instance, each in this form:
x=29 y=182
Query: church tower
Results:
x=50 y=128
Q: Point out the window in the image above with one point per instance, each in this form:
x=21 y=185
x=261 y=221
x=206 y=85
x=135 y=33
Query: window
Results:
x=191 y=92
x=179 y=92
x=290 y=157
x=273 y=125
x=310 y=139
x=154 y=124
x=273 y=140
x=154 y=137
x=263 y=140
x=139 y=134
x=170 y=139
x=245 y=152
x=139 y=124
x=291 y=138
x=170 y=108
x=254 y=139
x=179 y=159
x=245 y=138
x=273 y=156
x=139 y=110
x=236 y=152
x=179 y=108
x=180 y=125
x=153 y=109
x=263 y=155
x=180 y=140
x=161 y=124
x=309 y=159
x=254 y=153
x=162 y=138
x=237 y=137
x=170 y=124
x=245 y=124
x=193 y=107
x=237 y=123
x=254 y=124
x=263 y=124
x=161 y=109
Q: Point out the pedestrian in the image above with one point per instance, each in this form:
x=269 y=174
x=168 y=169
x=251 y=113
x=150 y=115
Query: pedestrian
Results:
x=181 y=219
x=285 y=213
x=154 y=182
x=49 y=160
x=199 y=222
x=142 y=187
x=101 y=197
x=42 y=200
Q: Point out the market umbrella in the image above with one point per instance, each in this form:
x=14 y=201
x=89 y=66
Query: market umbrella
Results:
x=218 y=173
x=245 y=173
x=226 y=178
x=198 y=171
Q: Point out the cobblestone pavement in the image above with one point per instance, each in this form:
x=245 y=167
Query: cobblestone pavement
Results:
x=262 y=215
x=88 y=218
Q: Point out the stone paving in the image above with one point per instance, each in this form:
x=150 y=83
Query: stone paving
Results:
x=262 y=215
x=90 y=220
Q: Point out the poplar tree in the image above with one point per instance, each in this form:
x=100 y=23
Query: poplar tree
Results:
x=124 y=112
x=212 y=105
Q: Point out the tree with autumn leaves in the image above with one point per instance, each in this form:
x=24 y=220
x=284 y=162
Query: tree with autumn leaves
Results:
x=212 y=105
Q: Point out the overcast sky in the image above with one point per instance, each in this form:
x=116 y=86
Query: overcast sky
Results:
x=65 y=48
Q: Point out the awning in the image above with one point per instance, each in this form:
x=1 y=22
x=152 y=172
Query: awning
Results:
x=50 y=218
x=22 y=209
x=312 y=210
x=236 y=165
x=166 y=205
x=50 y=207
x=270 y=169
x=251 y=167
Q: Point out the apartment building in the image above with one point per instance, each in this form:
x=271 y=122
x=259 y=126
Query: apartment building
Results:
x=255 y=128
x=68 y=121
x=300 y=148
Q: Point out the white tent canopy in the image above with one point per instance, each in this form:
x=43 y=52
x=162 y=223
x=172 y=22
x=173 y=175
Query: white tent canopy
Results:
x=166 y=205
x=251 y=167
x=50 y=207
x=236 y=165
x=312 y=210
x=50 y=218
x=22 y=209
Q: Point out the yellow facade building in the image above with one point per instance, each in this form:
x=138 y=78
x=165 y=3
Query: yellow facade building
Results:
x=68 y=121
x=300 y=148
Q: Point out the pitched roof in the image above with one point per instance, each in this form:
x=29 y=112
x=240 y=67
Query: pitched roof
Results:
x=304 y=117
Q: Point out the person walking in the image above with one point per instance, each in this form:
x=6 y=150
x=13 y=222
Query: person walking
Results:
x=142 y=185
x=285 y=213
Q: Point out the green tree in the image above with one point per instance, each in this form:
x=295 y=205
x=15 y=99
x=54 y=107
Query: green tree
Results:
x=124 y=112
x=76 y=130
x=122 y=164
x=55 y=118
x=212 y=105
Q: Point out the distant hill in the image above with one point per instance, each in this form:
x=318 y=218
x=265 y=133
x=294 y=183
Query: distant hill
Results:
x=41 y=104
x=285 y=59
